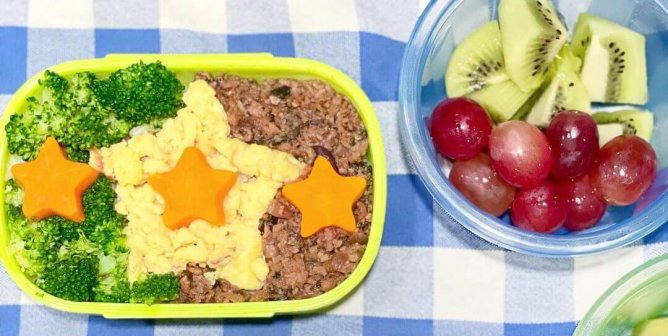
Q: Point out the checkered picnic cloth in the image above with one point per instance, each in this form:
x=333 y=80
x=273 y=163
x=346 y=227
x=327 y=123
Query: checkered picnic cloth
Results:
x=431 y=276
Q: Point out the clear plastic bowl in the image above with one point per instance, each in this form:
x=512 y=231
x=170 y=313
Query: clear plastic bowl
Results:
x=640 y=295
x=440 y=28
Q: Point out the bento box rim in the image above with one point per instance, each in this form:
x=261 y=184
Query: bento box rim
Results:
x=259 y=65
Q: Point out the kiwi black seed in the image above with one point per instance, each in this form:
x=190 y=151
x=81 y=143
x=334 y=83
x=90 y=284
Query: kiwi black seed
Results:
x=539 y=62
x=617 y=68
x=630 y=128
x=478 y=77
x=559 y=97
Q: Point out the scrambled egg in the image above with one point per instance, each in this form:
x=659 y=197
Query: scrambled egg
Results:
x=234 y=249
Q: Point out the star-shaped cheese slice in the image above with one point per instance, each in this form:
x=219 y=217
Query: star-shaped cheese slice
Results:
x=193 y=190
x=53 y=185
x=325 y=198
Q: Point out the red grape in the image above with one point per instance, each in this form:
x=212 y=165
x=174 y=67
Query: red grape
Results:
x=625 y=168
x=481 y=185
x=520 y=153
x=539 y=209
x=459 y=128
x=573 y=137
x=584 y=208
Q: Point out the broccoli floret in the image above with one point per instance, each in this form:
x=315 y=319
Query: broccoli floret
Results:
x=103 y=225
x=33 y=246
x=114 y=285
x=153 y=288
x=55 y=86
x=13 y=193
x=141 y=93
x=67 y=111
x=43 y=117
x=86 y=112
x=77 y=154
x=90 y=125
x=72 y=278
x=38 y=245
x=27 y=131
x=93 y=254
x=119 y=292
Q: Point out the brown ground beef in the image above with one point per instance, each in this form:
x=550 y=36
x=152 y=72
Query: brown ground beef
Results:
x=304 y=118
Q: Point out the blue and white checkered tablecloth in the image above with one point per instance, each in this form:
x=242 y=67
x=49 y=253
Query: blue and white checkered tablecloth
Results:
x=431 y=276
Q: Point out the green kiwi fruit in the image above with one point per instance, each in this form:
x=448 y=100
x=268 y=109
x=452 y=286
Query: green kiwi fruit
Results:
x=501 y=100
x=477 y=70
x=531 y=36
x=614 y=68
x=563 y=91
x=635 y=122
x=607 y=132
x=477 y=62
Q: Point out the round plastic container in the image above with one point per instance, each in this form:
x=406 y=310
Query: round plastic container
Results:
x=640 y=295
x=245 y=65
x=441 y=27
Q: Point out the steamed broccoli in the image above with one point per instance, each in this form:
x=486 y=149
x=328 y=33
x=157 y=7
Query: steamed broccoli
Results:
x=67 y=111
x=72 y=278
x=74 y=274
x=93 y=255
x=42 y=245
x=34 y=246
x=86 y=112
x=154 y=288
x=149 y=289
x=77 y=155
x=13 y=193
x=114 y=285
x=26 y=132
x=141 y=93
x=83 y=113
x=88 y=124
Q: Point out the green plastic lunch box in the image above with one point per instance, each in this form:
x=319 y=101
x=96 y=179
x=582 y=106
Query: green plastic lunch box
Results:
x=257 y=66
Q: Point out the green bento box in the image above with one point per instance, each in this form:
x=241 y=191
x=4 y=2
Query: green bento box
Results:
x=185 y=66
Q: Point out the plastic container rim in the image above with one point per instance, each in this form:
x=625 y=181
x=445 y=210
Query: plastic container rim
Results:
x=623 y=290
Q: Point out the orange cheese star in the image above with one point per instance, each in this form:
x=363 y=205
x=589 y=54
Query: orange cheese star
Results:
x=325 y=198
x=53 y=185
x=193 y=190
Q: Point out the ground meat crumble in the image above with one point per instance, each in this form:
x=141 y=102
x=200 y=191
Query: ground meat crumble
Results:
x=305 y=118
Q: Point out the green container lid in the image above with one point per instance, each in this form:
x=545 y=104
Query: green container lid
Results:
x=640 y=295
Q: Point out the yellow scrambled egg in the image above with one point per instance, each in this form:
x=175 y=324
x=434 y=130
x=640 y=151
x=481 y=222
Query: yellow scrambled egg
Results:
x=234 y=249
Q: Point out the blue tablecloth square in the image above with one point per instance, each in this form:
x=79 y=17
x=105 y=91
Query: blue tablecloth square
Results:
x=279 y=44
x=13 y=51
x=118 y=41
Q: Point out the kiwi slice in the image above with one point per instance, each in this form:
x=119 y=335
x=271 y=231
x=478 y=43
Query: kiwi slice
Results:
x=501 y=100
x=635 y=122
x=614 y=68
x=607 y=132
x=477 y=70
x=565 y=91
x=568 y=58
x=477 y=62
x=531 y=35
